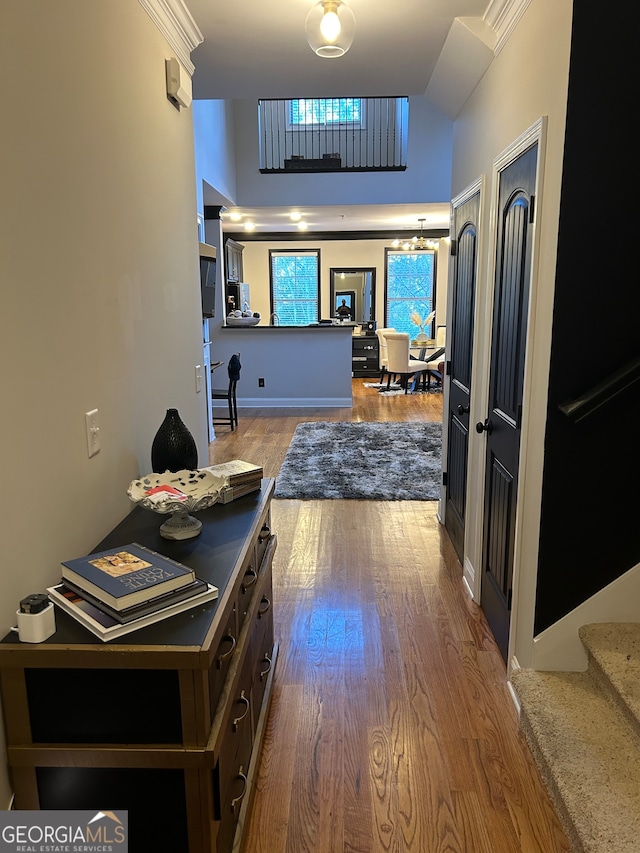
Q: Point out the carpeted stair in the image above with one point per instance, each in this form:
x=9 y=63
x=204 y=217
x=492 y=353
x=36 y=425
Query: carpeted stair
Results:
x=584 y=731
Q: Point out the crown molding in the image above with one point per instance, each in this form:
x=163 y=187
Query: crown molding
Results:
x=318 y=236
x=177 y=25
x=502 y=16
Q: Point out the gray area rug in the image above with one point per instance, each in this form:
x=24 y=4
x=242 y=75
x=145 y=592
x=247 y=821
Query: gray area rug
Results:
x=395 y=389
x=363 y=461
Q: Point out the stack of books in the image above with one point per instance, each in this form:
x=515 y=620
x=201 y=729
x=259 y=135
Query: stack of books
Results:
x=240 y=478
x=120 y=590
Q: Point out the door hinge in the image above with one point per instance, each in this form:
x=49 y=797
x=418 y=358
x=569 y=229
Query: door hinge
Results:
x=532 y=209
x=453 y=248
x=447 y=368
x=444 y=478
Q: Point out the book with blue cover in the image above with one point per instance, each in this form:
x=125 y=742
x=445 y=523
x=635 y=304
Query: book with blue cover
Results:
x=127 y=575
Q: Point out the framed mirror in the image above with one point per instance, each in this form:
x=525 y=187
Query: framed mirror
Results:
x=356 y=286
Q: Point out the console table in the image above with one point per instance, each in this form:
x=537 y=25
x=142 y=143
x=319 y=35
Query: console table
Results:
x=166 y=722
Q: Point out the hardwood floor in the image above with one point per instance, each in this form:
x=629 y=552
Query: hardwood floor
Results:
x=391 y=727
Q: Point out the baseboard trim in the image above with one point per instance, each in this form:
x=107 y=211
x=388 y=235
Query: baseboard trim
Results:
x=465 y=583
x=469 y=576
x=291 y=403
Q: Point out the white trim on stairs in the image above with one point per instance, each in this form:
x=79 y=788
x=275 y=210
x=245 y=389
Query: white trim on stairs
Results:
x=559 y=648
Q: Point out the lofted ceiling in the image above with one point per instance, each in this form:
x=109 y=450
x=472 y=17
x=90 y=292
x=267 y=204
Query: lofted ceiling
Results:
x=254 y=49
x=257 y=49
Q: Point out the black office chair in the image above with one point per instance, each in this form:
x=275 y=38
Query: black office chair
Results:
x=229 y=393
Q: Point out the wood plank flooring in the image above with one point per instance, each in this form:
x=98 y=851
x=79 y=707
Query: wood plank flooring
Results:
x=391 y=727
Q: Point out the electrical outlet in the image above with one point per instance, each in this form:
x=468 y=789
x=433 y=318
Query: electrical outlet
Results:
x=93 y=432
x=198 y=378
x=261 y=383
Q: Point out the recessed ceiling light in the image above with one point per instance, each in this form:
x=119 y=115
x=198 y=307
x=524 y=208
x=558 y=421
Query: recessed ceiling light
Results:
x=235 y=216
x=294 y=216
x=302 y=226
x=249 y=226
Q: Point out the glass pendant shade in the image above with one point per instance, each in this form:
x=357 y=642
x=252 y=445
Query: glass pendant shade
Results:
x=330 y=28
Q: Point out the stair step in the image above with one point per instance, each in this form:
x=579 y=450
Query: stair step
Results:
x=613 y=649
x=588 y=756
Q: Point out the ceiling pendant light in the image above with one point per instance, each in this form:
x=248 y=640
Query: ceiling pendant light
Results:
x=415 y=243
x=330 y=28
x=419 y=242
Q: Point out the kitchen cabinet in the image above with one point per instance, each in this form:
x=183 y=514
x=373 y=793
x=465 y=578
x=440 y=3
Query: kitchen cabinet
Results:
x=233 y=261
x=233 y=276
x=166 y=722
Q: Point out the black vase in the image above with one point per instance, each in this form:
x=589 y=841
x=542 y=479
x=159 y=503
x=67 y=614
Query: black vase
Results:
x=173 y=448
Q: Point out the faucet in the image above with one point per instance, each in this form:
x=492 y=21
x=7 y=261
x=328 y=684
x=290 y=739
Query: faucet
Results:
x=275 y=320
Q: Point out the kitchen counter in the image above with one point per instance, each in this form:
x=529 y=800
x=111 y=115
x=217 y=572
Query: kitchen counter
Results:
x=313 y=328
x=288 y=366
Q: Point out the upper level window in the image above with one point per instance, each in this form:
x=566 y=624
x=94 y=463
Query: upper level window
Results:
x=325 y=111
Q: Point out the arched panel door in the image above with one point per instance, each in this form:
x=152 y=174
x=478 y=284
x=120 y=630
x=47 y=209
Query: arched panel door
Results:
x=502 y=426
x=464 y=251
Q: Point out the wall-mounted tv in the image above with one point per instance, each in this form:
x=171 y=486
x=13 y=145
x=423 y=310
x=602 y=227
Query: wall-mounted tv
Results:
x=208 y=279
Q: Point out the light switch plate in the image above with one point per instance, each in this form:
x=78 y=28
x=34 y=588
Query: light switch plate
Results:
x=93 y=432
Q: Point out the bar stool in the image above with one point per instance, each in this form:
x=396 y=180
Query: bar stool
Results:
x=229 y=394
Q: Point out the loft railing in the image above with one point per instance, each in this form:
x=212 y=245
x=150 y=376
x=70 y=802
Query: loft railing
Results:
x=333 y=134
x=604 y=391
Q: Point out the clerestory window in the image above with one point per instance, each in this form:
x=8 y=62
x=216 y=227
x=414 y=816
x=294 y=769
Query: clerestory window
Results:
x=326 y=111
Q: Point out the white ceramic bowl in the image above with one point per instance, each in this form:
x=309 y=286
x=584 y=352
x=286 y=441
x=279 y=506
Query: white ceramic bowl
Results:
x=243 y=321
x=182 y=491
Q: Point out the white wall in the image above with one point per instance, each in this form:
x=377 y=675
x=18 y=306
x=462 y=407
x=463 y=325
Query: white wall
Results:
x=527 y=80
x=215 y=155
x=100 y=281
x=427 y=178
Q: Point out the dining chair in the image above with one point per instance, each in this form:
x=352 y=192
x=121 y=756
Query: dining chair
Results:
x=229 y=394
x=434 y=361
x=382 y=352
x=399 y=361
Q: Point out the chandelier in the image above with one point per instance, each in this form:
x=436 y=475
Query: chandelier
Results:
x=415 y=243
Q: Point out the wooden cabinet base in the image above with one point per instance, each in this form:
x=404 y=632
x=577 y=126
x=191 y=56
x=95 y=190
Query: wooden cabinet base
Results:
x=166 y=723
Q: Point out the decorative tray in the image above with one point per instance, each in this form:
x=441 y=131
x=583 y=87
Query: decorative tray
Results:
x=178 y=493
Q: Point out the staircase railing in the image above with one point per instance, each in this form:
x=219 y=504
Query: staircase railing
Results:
x=587 y=403
x=322 y=135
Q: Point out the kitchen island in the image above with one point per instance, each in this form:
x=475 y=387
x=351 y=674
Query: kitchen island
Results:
x=302 y=366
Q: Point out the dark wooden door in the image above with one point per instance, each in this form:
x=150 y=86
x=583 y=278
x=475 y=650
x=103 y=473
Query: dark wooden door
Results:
x=503 y=423
x=464 y=251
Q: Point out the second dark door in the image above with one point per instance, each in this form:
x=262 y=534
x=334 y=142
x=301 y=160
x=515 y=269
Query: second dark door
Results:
x=502 y=425
x=460 y=333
